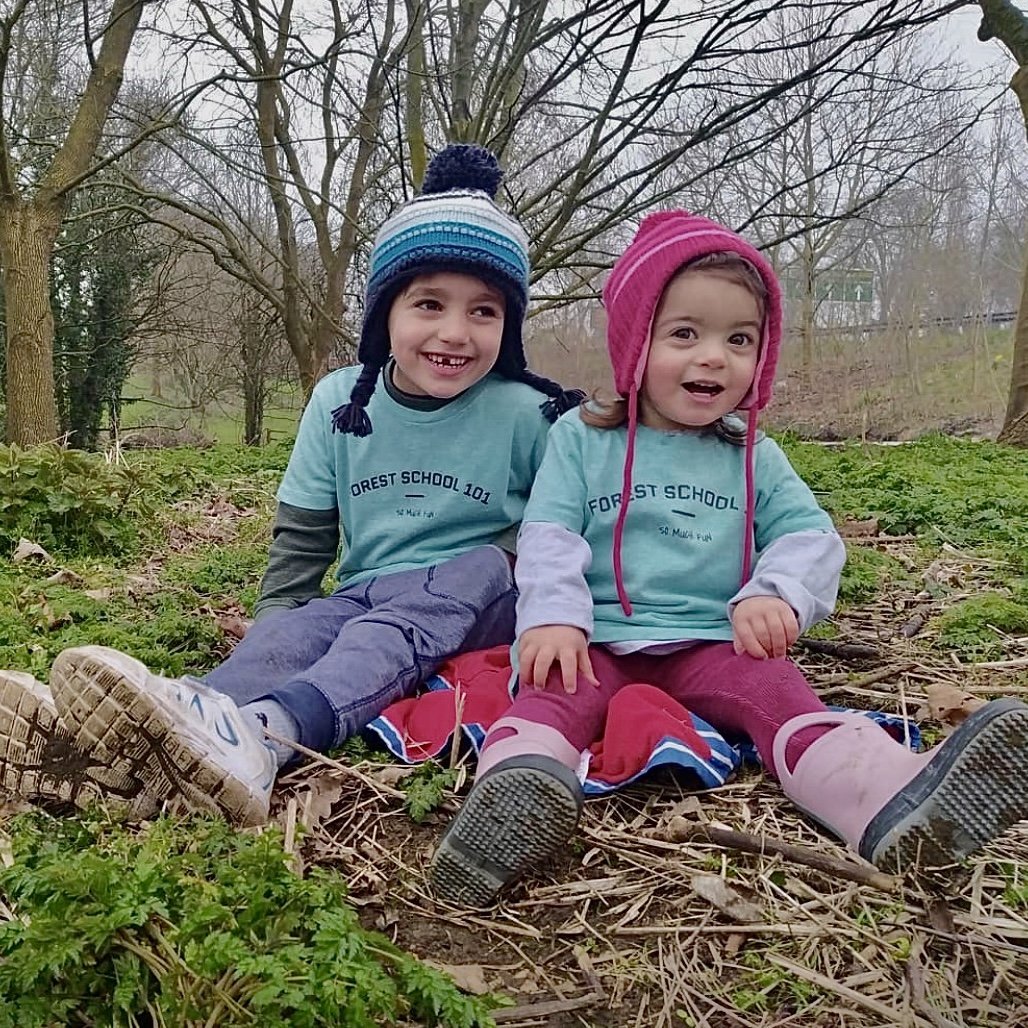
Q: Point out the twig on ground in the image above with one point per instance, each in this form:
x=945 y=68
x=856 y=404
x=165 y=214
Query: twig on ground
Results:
x=889 y=1014
x=865 y=680
x=680 y=830
x=841 y=650
x=547 y=1008
x=336 y=765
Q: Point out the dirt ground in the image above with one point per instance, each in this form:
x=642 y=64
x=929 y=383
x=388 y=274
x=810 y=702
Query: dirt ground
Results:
x=623 y=928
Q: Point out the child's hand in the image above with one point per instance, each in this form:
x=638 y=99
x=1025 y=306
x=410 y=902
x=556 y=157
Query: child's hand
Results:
x=764 y=626
x=540 y=648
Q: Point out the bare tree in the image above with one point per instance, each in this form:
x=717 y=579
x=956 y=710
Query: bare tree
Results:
x=583 y=103
x=1006 y=22
x=32 y=206
x=311 y=97
x=846 y=139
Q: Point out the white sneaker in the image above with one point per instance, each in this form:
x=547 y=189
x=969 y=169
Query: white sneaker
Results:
x=181 y=738
x=40 y=762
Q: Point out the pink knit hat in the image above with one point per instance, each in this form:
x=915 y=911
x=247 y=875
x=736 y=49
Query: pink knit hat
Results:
x=664 y=243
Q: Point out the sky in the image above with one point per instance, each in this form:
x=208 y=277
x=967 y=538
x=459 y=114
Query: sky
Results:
x=960 y=29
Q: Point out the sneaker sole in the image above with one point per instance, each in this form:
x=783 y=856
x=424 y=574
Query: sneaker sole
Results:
x=975 y=789
x=40 y=762
x=136 y=733
x=514 y=818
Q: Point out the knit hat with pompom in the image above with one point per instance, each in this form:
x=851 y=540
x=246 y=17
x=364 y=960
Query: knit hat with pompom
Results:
x=454 y=225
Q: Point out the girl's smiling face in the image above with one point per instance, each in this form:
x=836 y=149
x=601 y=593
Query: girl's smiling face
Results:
x=703 y=351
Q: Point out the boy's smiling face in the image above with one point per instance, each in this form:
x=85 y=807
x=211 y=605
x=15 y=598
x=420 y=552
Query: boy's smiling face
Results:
x=444 y=333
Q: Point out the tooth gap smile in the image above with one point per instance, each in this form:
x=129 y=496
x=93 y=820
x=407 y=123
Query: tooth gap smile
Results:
x=448 y=362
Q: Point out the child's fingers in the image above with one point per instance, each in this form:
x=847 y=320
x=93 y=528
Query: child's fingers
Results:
x=526 y=663
x=569 y=670
x=541 y=666
x=749 y=640
x=529 y=664
x=777 y=643
x=765 y=640
x=792 y=629
x=586 y=665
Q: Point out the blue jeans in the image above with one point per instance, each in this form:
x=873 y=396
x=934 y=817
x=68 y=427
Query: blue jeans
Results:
x=337 y=662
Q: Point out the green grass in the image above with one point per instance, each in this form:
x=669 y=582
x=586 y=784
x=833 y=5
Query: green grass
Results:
x=970 y=494
x=867 y=573
x=973 y=495
x=190 y=923
x=975 y=626
x=221 y=422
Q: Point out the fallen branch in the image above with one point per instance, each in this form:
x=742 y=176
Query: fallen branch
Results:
x=888 y=1014
x=547 y=1008
x=913 y=626
x=996 y=665
x=680 y=830
x=842 y=650
x=337 y=765
x=865 y=680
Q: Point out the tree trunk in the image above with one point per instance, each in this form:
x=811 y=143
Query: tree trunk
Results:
x=462 y=69
x=414 y=100
x=29 y=227
x=808 y=305
x=253 y=402
x=1015 y=422
x=27 y=238
x=1003 y=20
x=1015 y=433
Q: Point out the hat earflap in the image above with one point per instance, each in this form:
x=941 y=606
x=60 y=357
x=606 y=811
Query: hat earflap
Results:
x=561 y=400
x=352 y=417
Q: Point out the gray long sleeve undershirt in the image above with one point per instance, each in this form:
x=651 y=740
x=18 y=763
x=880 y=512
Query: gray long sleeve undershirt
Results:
x=802 y=568
x=304 y=543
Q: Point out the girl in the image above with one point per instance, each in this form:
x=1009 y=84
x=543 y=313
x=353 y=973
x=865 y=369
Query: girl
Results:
x=629 y=558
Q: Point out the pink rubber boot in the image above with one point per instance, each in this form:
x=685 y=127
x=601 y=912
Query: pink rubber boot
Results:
x=897 y=808
x=523 y=807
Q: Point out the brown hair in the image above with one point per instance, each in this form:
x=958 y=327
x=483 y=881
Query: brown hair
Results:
x=604 y=411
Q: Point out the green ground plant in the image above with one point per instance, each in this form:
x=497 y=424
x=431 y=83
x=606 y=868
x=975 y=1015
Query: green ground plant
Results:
x=946 y=490
x=189 y=923
x=71 y=501
x=426 y=789
x=139 y=926
x=868 y=572
x=766 y=987
x=38 y=619
x=974 y=627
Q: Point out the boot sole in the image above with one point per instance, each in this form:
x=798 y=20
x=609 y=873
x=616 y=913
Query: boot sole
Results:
x=514 y=818
x=136 y=733
x=972 y=791
x=40 y=762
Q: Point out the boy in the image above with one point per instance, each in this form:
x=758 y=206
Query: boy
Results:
x=426 y=507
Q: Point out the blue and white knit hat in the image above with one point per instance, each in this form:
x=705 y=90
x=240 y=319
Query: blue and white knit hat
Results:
x=454 y=225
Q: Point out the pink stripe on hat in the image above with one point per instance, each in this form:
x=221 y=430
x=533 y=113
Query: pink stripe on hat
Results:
x=641 y=260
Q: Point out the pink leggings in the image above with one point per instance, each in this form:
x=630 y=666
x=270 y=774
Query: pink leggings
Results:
x=738 y=695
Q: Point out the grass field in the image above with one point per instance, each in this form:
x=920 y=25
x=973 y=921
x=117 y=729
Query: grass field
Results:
x=179 y=922
x=171 y=416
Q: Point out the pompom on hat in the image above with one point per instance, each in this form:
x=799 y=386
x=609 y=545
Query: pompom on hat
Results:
x=663 y=245
x=452 y=226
